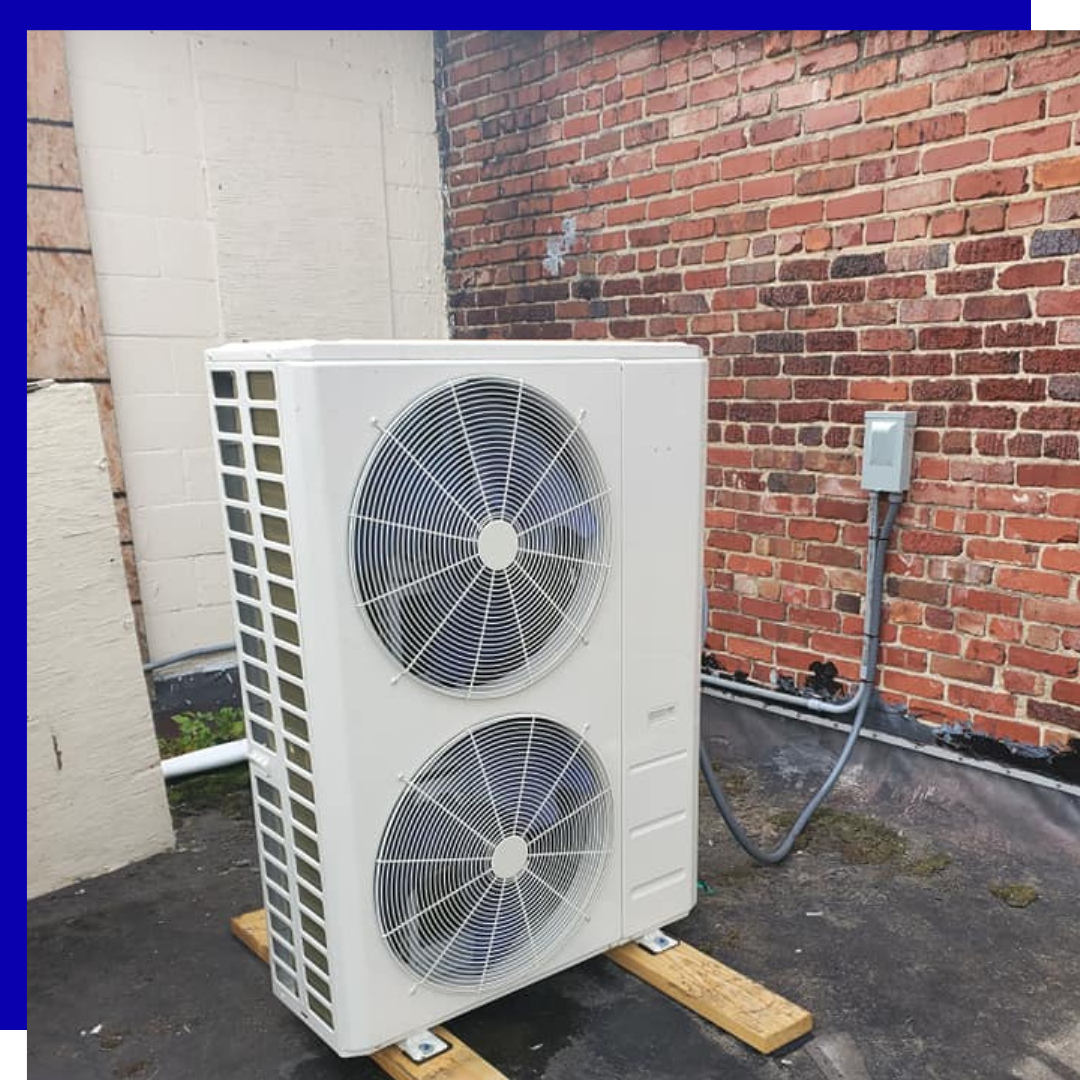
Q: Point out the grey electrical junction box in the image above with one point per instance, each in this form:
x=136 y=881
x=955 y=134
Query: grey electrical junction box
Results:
x=887 y=448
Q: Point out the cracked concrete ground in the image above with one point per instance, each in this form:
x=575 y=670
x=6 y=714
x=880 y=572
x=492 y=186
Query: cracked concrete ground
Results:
x=884 y=926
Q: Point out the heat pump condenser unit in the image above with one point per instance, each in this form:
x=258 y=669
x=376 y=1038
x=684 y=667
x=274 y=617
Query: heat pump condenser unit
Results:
x=466 y=578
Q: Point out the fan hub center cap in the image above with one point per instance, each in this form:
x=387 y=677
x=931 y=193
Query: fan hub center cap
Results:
x=498 y=544
x=509 y=857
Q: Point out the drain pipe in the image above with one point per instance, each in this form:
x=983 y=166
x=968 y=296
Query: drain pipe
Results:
x=206 y=760
x=211 y=757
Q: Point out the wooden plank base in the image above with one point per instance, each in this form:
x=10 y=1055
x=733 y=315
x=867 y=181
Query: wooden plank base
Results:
x=460 y=1062
x=723 y=996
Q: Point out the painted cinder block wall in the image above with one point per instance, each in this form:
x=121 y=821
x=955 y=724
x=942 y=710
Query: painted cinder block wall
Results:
x=845 y=221
x=241 y=185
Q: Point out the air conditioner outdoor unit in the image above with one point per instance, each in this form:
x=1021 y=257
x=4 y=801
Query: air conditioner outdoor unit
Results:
x=467 y=583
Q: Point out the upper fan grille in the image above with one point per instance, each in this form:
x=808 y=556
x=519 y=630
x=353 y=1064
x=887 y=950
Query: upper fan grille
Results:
x=492 y=853
x=481 y=536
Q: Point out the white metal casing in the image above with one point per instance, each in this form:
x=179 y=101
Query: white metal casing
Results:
x=635 y=684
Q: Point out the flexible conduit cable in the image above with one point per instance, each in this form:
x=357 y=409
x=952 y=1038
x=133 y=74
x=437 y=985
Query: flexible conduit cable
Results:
x=190 y=654
x=878 y=544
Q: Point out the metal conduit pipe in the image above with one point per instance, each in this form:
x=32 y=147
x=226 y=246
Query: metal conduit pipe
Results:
x=817 y=705
x=762 y=693
x=878 y=544
x=190 y=654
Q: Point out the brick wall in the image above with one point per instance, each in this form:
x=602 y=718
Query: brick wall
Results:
x=843 y=220
x=63 y=320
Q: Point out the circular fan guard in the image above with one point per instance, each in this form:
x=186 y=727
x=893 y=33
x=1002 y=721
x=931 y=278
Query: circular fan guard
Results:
x=492 y=853
x=480 y=536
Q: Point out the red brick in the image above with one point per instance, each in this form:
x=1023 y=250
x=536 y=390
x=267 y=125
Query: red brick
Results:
x=898 y=102
x=768 y=187
x=1054 y=66
x=826 y=117
x=802 y=93
x=695 y=175
x=1031 y=581
x=991 y=183
x=979 y=82
x=996 y=308
x=1065 y=101
x=1063 y=172
x=930 y=129
x=859 y=143
x=737 y=165
x=774 y=130
x=948 y=223
x=880 y=232
x=721 y=142
x=913 y=684
x=924 y=311
x=718 y=195
x=956 y=156
x=879 y=313
x=997 y=249
x=722 y=86
x=924 y=193
x=799 y=213
x=1039 y=140
x=983 y=699
x=1031 y=275
x=1005 y=43
x=1041 y=530
x=851 y=206
x=886 y=340
x=1007 y=113
x=986 y=217
x=962 y=670
x=1060 y=302
x=865 y=77
x=1063 y=558
x=1019 y=215
x=756 y=78
x=909 y=286
x=1011 y=389
x=931 y=61
x=667 y=102
x=1068 y=691
x=878 y=390
x=815 y=181
x=831 y=56
x=688 y=124
x=1053 y=612
x=669 y=154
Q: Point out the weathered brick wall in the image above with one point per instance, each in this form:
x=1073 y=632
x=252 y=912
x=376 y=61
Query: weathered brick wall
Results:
x=843 y=220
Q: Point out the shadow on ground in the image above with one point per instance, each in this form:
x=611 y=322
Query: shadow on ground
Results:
x=884 y=925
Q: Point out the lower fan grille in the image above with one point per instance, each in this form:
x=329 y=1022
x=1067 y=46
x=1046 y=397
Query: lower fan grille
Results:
x=493 y=852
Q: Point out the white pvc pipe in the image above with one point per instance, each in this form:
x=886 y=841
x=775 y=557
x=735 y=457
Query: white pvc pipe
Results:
x=213 y=757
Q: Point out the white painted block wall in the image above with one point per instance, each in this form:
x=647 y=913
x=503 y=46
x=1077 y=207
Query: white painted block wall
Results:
x=243 y=184
x=95 y=797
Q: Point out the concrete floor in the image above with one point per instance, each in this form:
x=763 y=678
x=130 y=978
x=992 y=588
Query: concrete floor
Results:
x=912 y=968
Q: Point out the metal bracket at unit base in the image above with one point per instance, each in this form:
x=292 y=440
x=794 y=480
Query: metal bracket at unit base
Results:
x=656 y=941
x=423 y=1046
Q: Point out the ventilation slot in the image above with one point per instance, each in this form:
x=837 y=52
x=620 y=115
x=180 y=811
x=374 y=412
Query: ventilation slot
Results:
x=255 y=497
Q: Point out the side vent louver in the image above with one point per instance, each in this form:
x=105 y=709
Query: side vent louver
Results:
x=271 y=668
